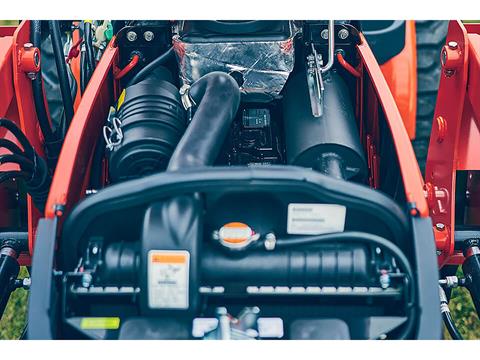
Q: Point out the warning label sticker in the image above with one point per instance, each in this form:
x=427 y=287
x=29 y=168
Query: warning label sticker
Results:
x=315 y=219
x=168 y=279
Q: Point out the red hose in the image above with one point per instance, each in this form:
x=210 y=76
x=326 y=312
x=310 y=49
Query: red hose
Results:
x=347 y=66
x=128 y=67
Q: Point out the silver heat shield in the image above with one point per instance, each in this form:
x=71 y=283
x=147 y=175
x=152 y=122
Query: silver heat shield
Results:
x=265 y=65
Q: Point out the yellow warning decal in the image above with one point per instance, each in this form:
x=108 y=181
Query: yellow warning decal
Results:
x=121 y=99
x=103 y=323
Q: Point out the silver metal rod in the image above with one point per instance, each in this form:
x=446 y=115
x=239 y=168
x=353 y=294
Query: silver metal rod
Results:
x=331 y=46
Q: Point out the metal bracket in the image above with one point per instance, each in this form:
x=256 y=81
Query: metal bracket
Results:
x=316 y=88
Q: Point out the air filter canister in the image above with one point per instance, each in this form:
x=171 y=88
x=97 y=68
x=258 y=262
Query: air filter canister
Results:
x=152 y=122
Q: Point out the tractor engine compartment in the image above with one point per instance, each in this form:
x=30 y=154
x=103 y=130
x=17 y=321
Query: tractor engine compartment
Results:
x=236 y=188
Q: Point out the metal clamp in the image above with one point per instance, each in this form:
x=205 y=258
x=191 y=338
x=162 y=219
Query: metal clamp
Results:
x=113 y=135
x=187 y=100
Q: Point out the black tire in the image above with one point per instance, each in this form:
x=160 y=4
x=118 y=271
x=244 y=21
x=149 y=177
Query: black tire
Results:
x=431 y=37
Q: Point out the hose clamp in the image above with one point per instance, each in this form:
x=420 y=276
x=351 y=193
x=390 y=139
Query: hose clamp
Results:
x=187 y=100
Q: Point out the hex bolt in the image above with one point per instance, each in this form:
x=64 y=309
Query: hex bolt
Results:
x=31 y=75
x=270 y=241
x=343 y=34
x=131 y=36
x=324 y=34
x=27 y=45
x=440 y=226
x=384 y=280
x=453 y=45
x=148 y=35
x=86 y=280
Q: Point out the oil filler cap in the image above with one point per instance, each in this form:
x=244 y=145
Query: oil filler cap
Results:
x=235 y=236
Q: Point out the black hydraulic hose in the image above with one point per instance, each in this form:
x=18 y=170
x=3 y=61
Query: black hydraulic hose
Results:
x=33 y=168
x=13 y=175
x=89 y=54
x=20 y=160
x=37 y=86
x=452 y=329
x=18 y=240
x=10 y=146
x=83 y=72
x=218 y=96
x=362 y=237
x=13 y=128
x=61 y=70
x=142 y=74
x=11 y=244
x=471 y=270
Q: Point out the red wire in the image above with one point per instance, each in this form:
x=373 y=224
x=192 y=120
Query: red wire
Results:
x=347 y=66
x=74 y=50
x=128 y=67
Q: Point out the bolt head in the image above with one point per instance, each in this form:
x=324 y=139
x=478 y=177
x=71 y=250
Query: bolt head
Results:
x=343 y=34
x=440 y=226
x=439 y=252
x=324 y=34
x=148 y=35
x=86 y=280
x=131 y=36
x=270 y=242
x=453 y=45
x=27 y=45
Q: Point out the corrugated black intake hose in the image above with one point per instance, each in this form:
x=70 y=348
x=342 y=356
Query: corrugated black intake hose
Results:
x=218 y=96
x=62 y=70
x=37 y=87
x=11 y=244
x=142 y=74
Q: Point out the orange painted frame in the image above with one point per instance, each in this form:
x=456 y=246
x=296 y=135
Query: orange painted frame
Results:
x=401 y=75
x=17 y=105
x=455 y=137
x=72 y=174
x=410 y=172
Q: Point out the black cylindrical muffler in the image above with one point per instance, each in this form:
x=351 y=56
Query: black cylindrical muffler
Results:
x=152 y=122
x=330 y=143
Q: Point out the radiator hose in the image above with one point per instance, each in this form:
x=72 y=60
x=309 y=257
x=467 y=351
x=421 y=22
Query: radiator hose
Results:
x=218 y=96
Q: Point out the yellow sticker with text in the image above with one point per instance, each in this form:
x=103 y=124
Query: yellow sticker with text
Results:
x=96 y=323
